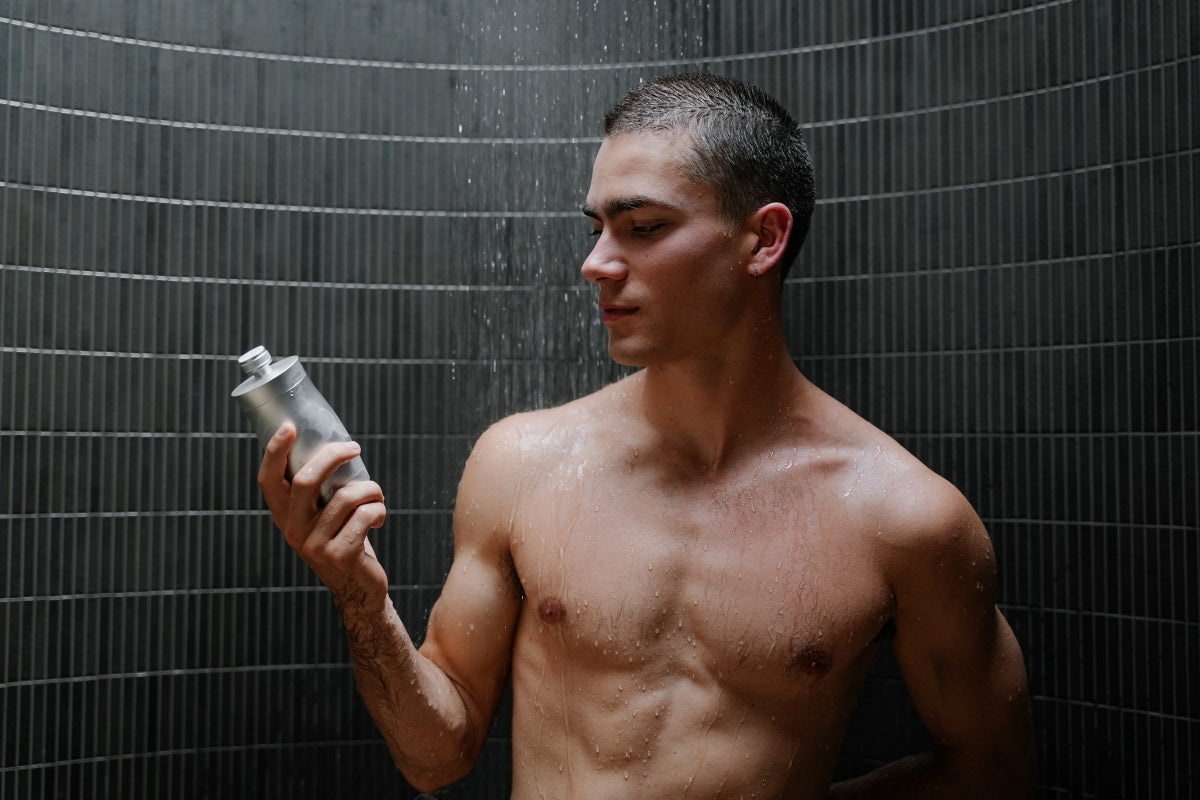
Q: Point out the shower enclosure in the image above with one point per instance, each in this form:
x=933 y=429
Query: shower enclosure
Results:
x=1002 y=272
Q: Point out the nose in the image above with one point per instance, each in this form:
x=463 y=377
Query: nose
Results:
x=605 y=262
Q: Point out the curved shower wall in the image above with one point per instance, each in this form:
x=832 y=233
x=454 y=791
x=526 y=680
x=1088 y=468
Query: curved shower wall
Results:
x=1001 y=273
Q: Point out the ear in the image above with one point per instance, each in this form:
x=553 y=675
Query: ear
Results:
x=771 y=226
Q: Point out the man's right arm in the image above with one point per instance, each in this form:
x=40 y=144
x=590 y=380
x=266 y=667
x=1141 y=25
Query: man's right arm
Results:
x=433 y=705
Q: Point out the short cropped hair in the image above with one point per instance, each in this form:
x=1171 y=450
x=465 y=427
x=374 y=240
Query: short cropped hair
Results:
x=744 y=144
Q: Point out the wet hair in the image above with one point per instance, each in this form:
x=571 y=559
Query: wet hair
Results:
x=744 y=144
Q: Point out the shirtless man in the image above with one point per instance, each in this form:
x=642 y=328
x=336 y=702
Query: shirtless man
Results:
x=689 y=572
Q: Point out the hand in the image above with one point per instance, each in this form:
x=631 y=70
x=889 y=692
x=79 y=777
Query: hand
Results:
x=331 y=539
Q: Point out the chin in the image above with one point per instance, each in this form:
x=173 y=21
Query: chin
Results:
x=625 y=355
x=625 y=359
x=630 y=354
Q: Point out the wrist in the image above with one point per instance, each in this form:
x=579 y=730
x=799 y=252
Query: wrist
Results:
x=360 y=608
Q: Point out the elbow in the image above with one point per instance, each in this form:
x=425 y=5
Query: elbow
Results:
x=426 y=785
x=427 y=780
x=446 y=760
x=1022 y=770
x=1006 y=775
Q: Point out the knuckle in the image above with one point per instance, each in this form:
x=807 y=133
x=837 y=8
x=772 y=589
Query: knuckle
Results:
x=313 y=552
x=307 y=477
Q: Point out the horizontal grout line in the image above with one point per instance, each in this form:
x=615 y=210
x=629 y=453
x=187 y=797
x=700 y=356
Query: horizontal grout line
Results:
x=956 y=270
x=223 y=435
x=625 y=65
x=1114 y=616
x=1089 y=169
x=1142 y=527
x=162 y=594
x=325 y=747
x=1043 y=698
x=362 y=211
x=952 y=271
x=318 y=590
x=1111 y=708
x=294 y=284
x=997 y=350
x=299 y=133
x=435 y=437
x=232 y=358
x=282 y=207
x=539 y=360
x=858 y=119
x=172 y=673
x=190 y=513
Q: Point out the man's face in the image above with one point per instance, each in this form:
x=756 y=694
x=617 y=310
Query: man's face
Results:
x=668 y=266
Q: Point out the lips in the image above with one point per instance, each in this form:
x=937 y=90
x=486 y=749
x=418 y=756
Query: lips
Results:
x=613 y=313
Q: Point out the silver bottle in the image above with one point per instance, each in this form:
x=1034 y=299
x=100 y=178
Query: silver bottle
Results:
x=279 y=391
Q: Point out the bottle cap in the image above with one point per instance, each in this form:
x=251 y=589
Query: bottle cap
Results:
x=266 y=379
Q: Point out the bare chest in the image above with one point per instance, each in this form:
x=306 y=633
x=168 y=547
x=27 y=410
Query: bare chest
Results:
x=762 y=587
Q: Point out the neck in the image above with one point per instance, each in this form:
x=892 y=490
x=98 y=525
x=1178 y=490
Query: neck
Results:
x=706 y=413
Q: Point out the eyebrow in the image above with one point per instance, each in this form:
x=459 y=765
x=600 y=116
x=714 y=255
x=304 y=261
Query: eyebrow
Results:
x=619 y=205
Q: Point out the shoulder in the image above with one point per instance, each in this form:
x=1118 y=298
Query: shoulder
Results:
x=531 y=439
x=523 y=448
x=919 y=521
x=934 y=548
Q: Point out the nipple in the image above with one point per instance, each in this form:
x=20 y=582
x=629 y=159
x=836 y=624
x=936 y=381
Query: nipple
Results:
x=813 y=660
x=551 y=611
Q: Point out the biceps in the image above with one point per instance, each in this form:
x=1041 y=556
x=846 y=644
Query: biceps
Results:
x=471 y=629
x=969 y=686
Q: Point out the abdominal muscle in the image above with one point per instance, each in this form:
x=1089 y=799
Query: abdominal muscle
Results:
x=590 y=728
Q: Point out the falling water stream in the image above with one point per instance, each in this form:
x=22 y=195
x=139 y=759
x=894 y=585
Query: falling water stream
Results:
x=1000 y=273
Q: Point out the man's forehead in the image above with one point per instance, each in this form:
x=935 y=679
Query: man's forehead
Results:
x=637 y=171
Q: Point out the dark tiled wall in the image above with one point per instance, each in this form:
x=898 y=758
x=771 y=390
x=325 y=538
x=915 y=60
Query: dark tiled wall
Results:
x=1002 y=273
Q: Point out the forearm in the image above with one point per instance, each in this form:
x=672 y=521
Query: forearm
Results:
x=418 y=709
x=915 y=776
x=928 y=776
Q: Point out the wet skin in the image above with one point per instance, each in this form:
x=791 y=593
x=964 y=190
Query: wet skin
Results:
x=688 y=573
x=687 y=632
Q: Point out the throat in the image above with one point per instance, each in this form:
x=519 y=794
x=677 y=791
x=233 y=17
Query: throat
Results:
x=701 y=426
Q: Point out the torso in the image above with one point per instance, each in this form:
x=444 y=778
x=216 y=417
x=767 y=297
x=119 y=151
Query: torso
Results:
x=686 y=634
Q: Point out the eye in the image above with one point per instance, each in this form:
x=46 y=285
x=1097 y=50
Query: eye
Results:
x=646 y=230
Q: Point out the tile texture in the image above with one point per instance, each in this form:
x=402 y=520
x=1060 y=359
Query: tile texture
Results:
x=1002 y=272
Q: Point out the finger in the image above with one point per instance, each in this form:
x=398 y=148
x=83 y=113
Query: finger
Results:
x=307 y=482
x=273 y=469
x=341 y=528
x=350 y=541
x=272 y=473
x=351 y=496
x=312 y=527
